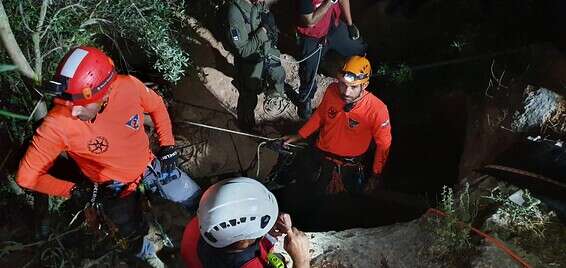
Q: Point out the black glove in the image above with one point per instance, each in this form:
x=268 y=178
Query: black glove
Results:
x=268 y=22
x=168 y=158
x=354 y=32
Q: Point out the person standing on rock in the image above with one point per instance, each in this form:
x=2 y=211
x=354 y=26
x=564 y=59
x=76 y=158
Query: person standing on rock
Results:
x=237 y=224
x=347 y=119
x=253 y=35
x=97 y=119
x=321 y=29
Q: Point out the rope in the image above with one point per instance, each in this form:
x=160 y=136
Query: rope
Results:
x=293 y=61
x=319 y=48
x=491 y=239
x=313 y=80
x=233 y=132
x=258 y=156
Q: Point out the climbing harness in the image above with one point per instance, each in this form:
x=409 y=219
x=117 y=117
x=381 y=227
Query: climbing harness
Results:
x=336 y=184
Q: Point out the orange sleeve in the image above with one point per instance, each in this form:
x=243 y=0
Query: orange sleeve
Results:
x=153 y=104
x=382 y=137
x=46 y=145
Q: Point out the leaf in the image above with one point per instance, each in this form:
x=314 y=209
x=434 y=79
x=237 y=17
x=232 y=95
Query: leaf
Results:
x=7 y=67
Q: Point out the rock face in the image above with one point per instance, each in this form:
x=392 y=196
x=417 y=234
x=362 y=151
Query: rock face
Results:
x=538 y=108
x=389 y=246
x=398 y=245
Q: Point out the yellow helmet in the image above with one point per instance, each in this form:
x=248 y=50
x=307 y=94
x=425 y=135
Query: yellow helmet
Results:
x=356 y=70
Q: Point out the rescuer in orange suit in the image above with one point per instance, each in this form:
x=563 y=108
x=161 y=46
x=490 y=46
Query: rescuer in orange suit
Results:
x=97 y=119
x=347 y=119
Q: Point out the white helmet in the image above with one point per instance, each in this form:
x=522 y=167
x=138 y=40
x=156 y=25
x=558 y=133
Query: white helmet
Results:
x=234 y=210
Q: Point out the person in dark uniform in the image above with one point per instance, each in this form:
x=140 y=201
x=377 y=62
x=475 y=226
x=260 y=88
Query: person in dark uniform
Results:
x=253 y=37
x=321 y=29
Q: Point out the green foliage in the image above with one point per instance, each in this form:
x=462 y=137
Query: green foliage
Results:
x=152 y=27
x=7 y=67
x=451 y=234
x=398 y=74
x=16 y=98
x=526 y=218
x=157 y=36
x=207 y=12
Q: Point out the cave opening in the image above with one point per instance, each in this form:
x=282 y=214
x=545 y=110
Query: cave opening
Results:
x=428 y=132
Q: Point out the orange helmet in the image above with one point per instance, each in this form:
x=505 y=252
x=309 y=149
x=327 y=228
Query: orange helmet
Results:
x=356 y=70
x=83 y=76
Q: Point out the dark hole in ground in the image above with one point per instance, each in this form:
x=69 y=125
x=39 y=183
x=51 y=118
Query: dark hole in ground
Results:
x=428 y=139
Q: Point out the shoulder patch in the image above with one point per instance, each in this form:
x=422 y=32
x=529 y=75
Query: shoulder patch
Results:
x=235 y=33
x=134 y=122
x=385 y=124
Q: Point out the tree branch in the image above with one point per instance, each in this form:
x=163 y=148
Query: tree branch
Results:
x=12 y=46
x=36 y=38
x=57 y=14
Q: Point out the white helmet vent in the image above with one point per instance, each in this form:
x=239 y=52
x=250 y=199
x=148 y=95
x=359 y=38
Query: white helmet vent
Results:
x=236 y=209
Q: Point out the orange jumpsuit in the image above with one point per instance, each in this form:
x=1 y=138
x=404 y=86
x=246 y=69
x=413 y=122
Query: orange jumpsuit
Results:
x=348 y=134
x=113 y=147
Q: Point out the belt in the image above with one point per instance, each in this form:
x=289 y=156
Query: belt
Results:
x=343 y=160
x=114 y=188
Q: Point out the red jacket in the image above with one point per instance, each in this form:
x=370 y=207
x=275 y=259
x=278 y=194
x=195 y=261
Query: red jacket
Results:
x=113 y=147
x=189 y=246
x=349 y=133
x=320 y=29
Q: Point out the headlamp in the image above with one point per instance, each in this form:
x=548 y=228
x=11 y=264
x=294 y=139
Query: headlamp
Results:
x=351 y=77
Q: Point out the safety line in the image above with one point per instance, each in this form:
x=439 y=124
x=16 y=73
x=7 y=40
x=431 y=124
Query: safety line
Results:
x=234 y=132
x=313 y=79
x=499 y=244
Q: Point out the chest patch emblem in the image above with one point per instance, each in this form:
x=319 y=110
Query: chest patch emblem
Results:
x=98 y=145
x=332 y=112
x=352 y=123
x=134 y=122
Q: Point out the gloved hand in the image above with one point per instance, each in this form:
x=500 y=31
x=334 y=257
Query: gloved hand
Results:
x=268 y=22
x=375 y=181
x=354 y=32
x=168 y=158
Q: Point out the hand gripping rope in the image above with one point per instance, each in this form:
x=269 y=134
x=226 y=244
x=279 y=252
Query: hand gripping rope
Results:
x=271 y=142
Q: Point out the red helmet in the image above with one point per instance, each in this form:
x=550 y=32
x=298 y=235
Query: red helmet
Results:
x=83 y=76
